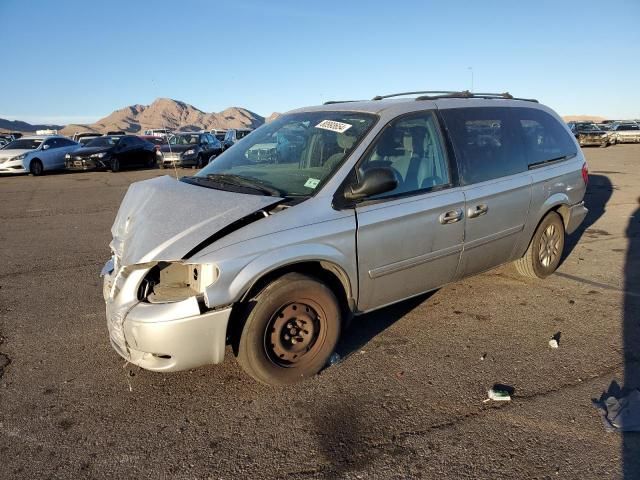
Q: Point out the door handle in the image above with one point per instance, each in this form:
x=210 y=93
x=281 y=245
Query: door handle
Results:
x=452 y=216
x=477 y=211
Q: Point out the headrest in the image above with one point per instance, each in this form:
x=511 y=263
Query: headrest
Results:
x=388 y=146
x=345 y=141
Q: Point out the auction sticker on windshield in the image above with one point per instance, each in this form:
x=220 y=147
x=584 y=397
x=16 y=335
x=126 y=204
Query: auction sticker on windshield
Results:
x=334 y=126
x=312 y=182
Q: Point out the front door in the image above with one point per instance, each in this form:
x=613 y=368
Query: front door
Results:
x=409 y=240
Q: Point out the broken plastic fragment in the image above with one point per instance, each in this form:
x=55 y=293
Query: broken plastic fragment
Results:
x=334 y=358
x=500 y=393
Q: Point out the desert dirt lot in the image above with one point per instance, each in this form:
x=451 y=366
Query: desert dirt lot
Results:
x=404 y=402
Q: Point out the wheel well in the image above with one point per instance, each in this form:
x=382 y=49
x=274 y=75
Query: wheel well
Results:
x=563 y=211
x=329 y=274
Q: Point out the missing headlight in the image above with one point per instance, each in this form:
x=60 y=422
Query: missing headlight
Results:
x=173 y=282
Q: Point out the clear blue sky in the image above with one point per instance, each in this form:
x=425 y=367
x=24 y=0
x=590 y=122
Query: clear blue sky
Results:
x=79 y=60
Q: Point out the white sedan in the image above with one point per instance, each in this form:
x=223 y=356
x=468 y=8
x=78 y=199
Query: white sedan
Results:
x=36 y=154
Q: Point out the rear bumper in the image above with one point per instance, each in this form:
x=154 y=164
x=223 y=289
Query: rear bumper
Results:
x=577 y=214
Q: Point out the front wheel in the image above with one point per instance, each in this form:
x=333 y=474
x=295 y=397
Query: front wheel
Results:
x=115 y=164
x=545 y=250
x=36 y=168
x=290 y=331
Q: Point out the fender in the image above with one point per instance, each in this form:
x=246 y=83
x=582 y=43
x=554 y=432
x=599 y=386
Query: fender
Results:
x=228 y=292
x=559 y=199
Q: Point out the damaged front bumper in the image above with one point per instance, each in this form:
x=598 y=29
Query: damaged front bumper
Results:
x=160 y=336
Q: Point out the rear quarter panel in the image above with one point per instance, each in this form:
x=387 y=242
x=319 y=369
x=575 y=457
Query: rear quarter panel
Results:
x=552 y=186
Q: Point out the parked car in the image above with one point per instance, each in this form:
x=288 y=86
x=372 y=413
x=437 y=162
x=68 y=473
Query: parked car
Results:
x=189 y=149
x=157 y=132
x=112 y=152
x=233 y=135
x=85 y=137
x=158 y=141
x=381 y=201
x=626 y=132
x=3 y=142
x=588 y=133
x=218 y=133
x=36 y=154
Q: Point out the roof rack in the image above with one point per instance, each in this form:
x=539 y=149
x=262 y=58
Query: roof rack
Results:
x=443 y=92
x=435 y=94
x=331 y=102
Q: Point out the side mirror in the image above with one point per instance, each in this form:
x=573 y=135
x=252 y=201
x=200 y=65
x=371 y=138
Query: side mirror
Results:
x=374 y=182
x=45 y=147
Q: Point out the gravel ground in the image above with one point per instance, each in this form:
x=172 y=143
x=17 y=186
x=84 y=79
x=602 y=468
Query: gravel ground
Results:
x=406 y=401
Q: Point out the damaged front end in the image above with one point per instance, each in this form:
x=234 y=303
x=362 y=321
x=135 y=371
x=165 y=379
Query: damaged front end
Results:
x=158 y=313
x=158 y=318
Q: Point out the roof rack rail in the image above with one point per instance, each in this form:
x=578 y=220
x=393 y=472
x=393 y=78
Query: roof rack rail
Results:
x=382 y=97
x=331 y=102
x=435 y=94
x=468 y=94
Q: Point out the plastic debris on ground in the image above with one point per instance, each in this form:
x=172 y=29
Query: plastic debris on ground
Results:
x=555 y=340
x=334 y=358
x=500 y=393
x=619 y=410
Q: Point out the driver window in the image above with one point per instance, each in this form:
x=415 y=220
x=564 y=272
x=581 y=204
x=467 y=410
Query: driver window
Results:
x=412 y=148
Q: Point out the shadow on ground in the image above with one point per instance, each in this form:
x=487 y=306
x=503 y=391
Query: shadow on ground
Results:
x=365 y=327
x=631 y=338
x=598 y=194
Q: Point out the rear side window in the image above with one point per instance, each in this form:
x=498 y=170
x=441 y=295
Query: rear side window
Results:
x=544 y=138
x=486 y=143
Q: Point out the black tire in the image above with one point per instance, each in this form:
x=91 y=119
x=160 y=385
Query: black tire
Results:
x=291 y=329
x=151 y=161
x=545 y=250
x=115 y=164
x=36 y=168
x=199 y=162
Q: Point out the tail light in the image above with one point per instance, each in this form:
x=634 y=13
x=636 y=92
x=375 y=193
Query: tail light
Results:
x=585 y=173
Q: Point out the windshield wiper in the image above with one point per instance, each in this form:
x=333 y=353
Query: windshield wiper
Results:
x=237 y=180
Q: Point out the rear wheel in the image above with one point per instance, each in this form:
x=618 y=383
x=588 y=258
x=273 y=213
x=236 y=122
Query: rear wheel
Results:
x=545 y=250
x=290 y=331
x=36 y=168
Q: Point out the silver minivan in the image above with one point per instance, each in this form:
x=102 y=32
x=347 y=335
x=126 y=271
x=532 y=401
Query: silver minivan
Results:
x=354 y=206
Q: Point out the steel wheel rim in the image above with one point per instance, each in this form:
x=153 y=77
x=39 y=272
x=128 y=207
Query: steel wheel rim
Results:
x=295 y=334
x=549 y=250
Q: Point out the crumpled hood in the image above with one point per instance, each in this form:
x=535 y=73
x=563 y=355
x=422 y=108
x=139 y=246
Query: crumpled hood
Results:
x=162 y=219
x=12 y=153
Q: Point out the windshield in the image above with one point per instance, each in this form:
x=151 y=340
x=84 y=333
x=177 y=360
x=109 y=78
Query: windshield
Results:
x=184 y=140
x=588 y=127
x=85 y=140
x=24 y=144
x=103 y=142
x=293 y=155
x=242 y=133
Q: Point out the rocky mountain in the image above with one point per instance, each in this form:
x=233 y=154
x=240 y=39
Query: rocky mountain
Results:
x=18 y=126
x=169 y=113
